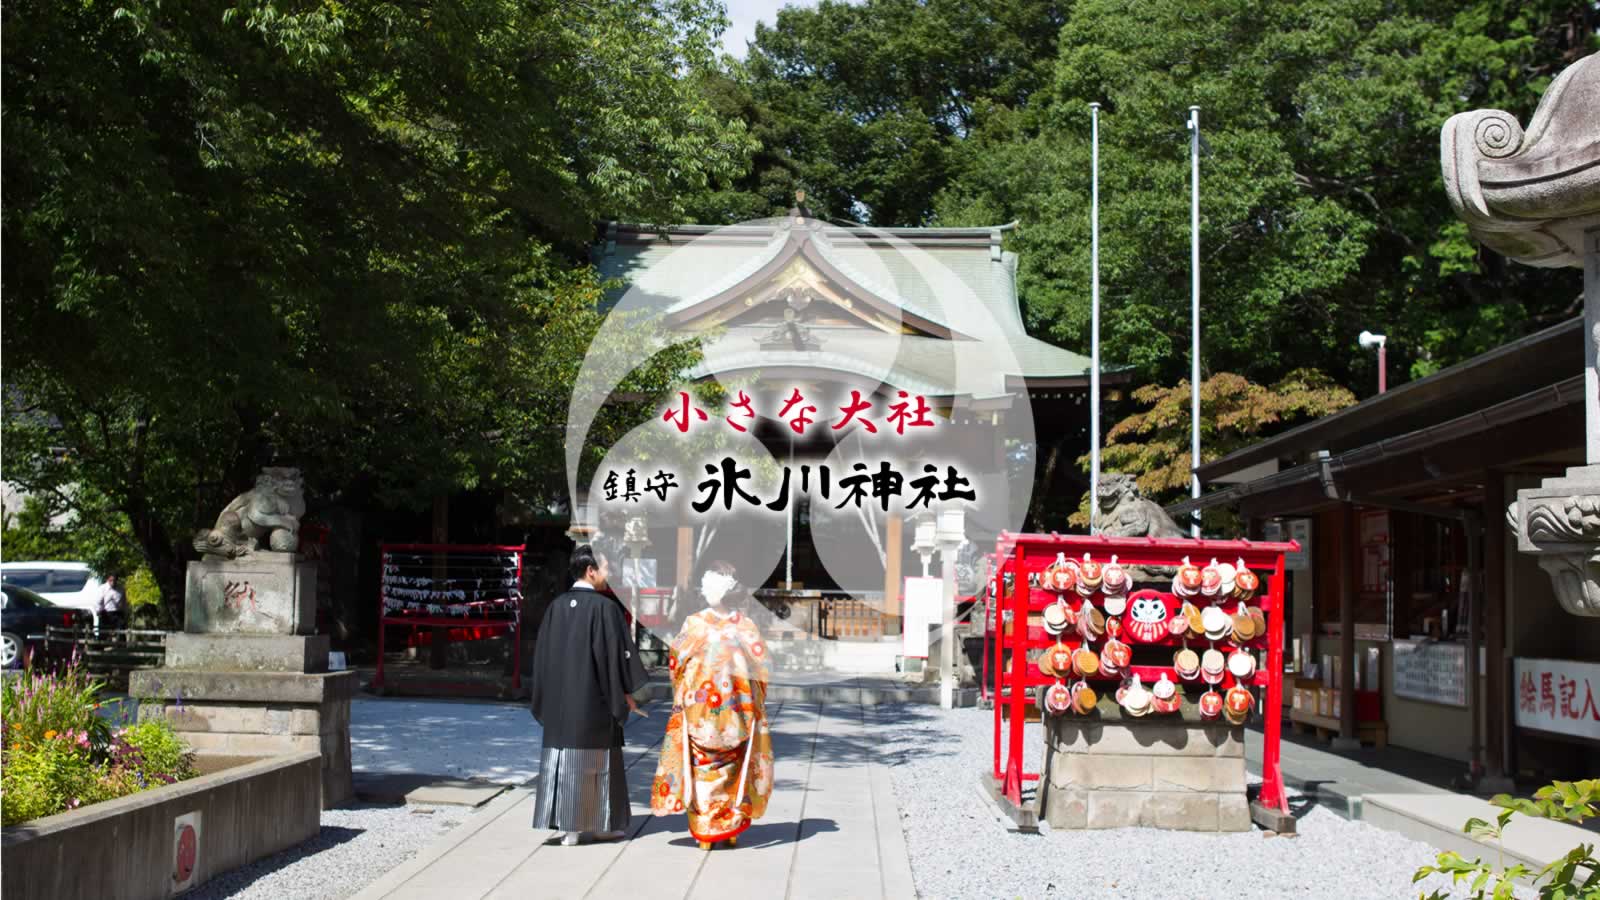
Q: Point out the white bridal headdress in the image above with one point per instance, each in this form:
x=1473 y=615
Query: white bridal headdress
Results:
x=715 y=586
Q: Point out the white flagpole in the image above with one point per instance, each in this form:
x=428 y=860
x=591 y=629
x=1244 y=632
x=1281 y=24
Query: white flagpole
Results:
x=1094 y=321
x=1194 y=314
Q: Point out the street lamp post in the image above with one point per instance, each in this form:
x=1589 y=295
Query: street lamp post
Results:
x=1369 y=341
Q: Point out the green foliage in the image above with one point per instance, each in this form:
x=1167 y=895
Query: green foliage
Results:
x=94 y=533
x=141 y=590
x=58 y=753
x=1153 y=444
x=46 y=778
x=318 y=234
x=865 y=104
x=1562 y=801
x=1322 y=211
x=154 y=749
x=38 y=706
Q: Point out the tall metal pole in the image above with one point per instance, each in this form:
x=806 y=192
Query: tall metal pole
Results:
x=1094 y=320
x=1194 y=314
x=788 y=532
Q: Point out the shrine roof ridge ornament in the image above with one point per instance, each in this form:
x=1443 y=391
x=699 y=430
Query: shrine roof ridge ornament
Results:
x=1530 y=194
x=635 y=232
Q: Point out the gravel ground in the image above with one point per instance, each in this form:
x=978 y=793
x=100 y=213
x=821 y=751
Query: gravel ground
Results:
x=959 y=850
x=356 y=845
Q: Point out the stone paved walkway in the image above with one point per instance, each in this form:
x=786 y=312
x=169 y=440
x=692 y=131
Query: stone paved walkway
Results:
x=831 y=830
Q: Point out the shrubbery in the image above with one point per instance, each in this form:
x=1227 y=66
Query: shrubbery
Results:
x=60 y=753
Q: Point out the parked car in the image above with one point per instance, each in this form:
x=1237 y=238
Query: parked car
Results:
x=63 y=583
x=24 y=615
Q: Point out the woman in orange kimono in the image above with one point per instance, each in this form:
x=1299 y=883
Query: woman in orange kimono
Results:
x=716 y=759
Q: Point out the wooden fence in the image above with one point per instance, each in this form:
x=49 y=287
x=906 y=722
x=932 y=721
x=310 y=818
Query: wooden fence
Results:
x=828 y=615
x=111 y=654
x=847 y=618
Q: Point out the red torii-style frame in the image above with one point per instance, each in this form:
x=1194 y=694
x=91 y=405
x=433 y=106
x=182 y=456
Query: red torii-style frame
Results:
x=1019 y=555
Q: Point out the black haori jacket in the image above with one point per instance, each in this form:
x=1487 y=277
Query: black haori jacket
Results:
x=584 y=666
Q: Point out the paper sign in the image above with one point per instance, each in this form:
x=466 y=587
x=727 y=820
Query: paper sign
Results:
x=1435 y=672
x=1558 y=695
x=923 y=599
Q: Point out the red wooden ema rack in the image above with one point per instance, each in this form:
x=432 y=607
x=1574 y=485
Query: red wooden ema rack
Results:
x=1018 y=556
x=477 y=586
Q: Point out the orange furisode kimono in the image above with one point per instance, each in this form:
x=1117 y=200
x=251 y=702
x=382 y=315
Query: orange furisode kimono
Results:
x=716 y=759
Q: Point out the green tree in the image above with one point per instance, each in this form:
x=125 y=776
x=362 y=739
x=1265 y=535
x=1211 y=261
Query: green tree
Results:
x=863 y=104
x=1322 y=209
x=1153 y=444
x=330 y=235
x=81 y=526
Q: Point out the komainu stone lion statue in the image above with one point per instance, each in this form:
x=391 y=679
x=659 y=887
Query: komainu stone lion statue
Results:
x=1125 y=512
x=271 y=511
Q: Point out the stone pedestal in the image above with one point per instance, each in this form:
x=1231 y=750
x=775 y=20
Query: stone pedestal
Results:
x=1115 y=771
x=257 y=713
x=245 y=677
x=263 y=593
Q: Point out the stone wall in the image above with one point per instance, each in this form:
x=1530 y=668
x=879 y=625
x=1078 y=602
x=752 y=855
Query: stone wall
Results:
x=1112 y=771
x=124 y=849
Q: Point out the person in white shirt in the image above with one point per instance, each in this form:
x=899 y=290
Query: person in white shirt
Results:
x=108 y=612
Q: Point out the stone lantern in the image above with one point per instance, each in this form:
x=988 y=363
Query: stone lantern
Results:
x=923 y=541
x=1534 y=195
x=950 y=533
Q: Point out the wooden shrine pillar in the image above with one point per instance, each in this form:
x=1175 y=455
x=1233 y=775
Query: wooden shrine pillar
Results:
x=1497 y=677
x=684 y=567
x=892 y=555
x=439 y=638
x=1349 y=583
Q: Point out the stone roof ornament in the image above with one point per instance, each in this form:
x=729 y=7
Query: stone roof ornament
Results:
x=1534 y=196
x=1530 y=194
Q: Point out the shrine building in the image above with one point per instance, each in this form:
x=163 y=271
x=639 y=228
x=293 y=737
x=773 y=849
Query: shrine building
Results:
x=810 y=304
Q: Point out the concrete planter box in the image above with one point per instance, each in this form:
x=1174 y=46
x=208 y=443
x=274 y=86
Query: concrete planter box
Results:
x=130 y=848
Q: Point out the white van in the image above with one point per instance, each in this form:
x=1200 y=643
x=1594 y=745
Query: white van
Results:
x=63 y=583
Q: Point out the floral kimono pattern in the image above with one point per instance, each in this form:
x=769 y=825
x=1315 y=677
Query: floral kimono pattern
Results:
x=716 y=759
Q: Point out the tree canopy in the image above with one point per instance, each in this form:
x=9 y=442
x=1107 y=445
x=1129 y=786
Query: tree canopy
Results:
x=353 y=236
x=1322 y=208
x=863 y=105
x=1152 y=444
x=346 y=236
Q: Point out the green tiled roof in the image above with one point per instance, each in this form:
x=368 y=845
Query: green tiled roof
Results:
x=982 y=303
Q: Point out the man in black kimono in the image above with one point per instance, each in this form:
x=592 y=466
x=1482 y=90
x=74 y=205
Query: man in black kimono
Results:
x=585 y=670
